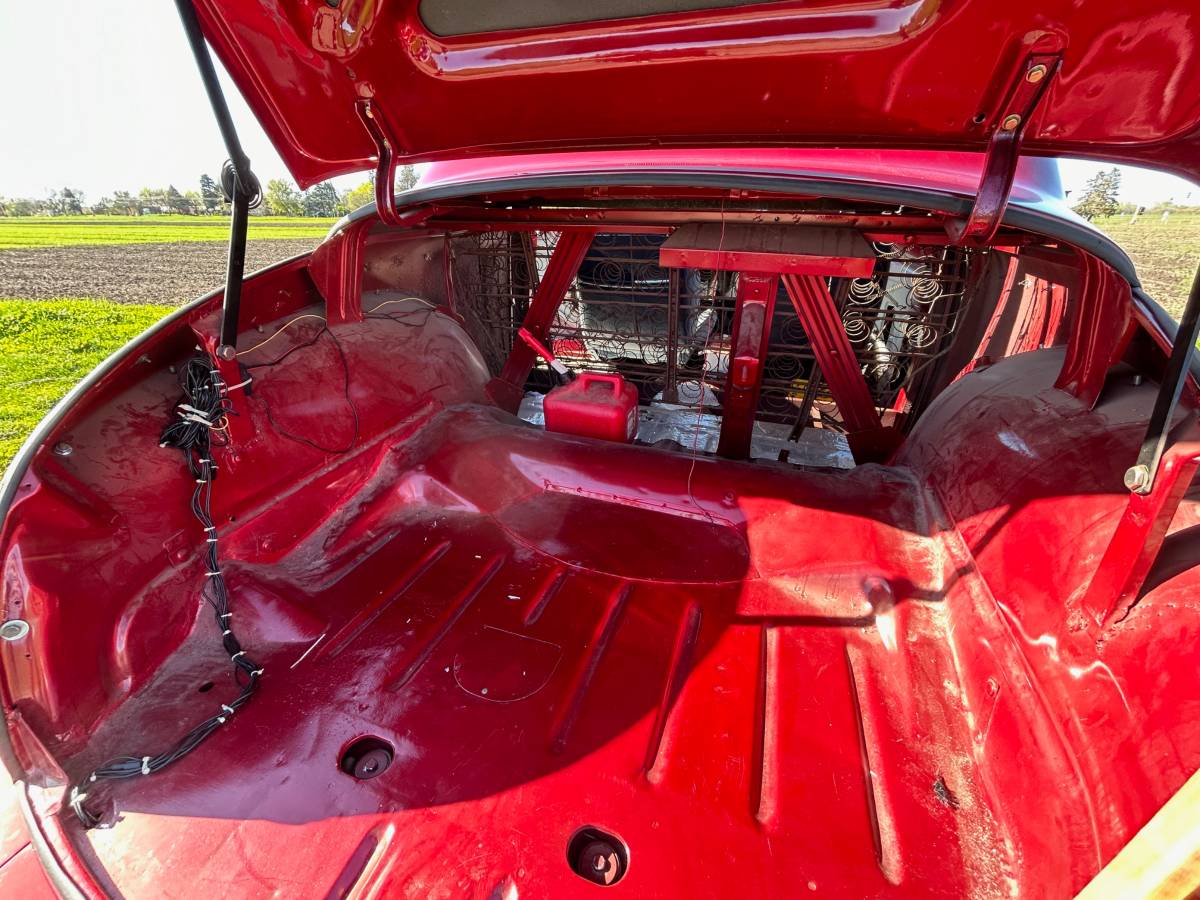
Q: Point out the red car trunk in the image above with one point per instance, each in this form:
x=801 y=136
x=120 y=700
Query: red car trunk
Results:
x=922 y=675
x=893 y=594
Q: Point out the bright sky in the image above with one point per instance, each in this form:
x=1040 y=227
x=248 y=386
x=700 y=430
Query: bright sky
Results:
x=102 y=98
x=105 y=97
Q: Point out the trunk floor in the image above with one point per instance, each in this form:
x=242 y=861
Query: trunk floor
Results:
x=553 y=635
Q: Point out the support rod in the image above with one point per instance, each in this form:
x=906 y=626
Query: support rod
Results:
x=238 y=182
x=1140 y=478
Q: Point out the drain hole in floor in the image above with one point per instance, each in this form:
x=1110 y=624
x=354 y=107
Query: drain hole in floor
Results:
x=367 y=757
x=597 y=856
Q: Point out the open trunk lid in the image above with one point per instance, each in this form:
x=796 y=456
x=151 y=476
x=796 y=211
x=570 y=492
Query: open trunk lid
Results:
x=451 y=78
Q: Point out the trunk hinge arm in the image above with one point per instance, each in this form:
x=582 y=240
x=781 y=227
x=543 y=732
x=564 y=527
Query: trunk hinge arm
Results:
x=240 y=185
x=1004 y=150
x=385 y=153
x=1140 y=477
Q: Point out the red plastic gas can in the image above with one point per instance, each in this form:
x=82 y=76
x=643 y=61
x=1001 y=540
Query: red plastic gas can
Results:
x=594 y=405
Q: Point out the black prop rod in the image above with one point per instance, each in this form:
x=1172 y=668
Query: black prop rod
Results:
x=1140 y=477
x=237 y=181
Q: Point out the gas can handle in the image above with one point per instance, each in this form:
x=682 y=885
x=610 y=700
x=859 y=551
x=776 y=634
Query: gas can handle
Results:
x=617 y=382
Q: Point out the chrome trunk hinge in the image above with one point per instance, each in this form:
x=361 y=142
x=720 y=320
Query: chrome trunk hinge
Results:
x=1004 y=150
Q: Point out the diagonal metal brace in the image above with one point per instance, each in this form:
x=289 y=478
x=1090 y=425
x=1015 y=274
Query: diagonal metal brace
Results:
x=1004 y=150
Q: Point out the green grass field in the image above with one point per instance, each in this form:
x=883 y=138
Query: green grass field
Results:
x=1165 y=253
x=65 y=231
x=46 y=346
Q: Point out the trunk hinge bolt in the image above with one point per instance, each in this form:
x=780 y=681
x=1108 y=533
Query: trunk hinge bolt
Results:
x=1137 y=479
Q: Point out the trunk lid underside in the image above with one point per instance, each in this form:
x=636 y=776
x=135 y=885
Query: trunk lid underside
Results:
x=453 y=78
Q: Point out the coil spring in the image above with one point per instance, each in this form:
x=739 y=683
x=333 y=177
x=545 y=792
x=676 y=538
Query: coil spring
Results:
x=864 y=291
x=857 y=329
x=919 y=335
x=924 y=291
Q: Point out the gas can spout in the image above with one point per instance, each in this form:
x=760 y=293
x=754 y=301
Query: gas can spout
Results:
x=564 y=374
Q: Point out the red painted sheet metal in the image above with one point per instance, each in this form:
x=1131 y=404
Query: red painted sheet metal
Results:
x=1035 y=512
x=1100 y=329
x=883 y=74
x=676 y=649
x=336 y=267
x=1139 y=536
x=22 y=876
x=747 y=356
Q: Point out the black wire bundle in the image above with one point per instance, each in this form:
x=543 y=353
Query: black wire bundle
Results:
x=201 y=413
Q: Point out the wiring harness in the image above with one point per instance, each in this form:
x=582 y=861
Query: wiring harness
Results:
x=201 y=415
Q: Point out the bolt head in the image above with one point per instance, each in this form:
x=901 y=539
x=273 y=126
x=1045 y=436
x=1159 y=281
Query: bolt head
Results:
x=372 y=764
x=1010 y=123
x=226 y=353
x=1036 y=74
x=62 y=448
x=14 y=629
x=1137 y=479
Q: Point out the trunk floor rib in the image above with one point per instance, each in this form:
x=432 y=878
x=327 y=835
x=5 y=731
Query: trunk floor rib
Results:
x=556 y=634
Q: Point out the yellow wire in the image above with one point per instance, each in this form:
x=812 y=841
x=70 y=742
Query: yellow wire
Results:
x=281 y=330
x=287 y=325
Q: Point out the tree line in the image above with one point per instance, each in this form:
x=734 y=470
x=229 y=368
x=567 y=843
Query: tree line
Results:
x=281 y=197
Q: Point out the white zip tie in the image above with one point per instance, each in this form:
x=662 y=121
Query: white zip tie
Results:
x=221 y=720
x=257 y=672
x=213 y=574
x=91 y=777
x=234 y=387
x=228 y=709
x=239 y=653
x=145 y=765
x=211 y=540
x=210 y=527
x=226 y=615
x=225 y=632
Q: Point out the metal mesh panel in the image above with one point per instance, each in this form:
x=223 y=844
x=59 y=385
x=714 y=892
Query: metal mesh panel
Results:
x=667 y=331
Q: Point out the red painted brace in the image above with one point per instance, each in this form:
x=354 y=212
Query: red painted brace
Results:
x=572 y=246
x=818 y=314
x=748 y=350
